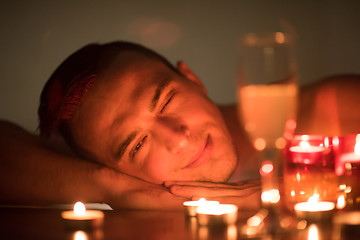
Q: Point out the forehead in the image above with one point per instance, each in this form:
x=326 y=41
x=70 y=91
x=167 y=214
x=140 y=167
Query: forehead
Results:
x=132 y=71
x=128 y=78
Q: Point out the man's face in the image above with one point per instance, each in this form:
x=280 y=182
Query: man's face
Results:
x=145 y=120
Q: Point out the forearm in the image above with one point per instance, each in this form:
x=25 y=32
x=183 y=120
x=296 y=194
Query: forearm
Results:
x=31 y=173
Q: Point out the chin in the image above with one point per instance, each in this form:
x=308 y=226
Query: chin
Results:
x=221 y=179
x=222 y=174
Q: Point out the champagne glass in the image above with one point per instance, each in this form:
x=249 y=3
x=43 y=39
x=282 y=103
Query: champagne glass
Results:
x=267 y=93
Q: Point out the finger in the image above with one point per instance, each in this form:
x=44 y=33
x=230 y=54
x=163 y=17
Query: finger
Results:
x=256 y=181
x=200 y=184
x=153 y=198
x=250 y=202
x=239 y=185
x=190 y=191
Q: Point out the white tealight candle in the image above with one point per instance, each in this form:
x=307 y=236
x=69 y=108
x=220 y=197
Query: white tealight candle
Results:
x=79 y=217
x=314 y=209
x=221 y=214
x=352 y=156
x=190 y=206
x=347 y=160
x=305 y=153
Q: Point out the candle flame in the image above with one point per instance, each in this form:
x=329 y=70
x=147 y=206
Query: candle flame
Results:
x=305 y=145
x=202 y=200
x=79 y=208
x=314 y=198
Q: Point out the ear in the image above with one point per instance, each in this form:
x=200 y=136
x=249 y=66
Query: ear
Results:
x=190 y=75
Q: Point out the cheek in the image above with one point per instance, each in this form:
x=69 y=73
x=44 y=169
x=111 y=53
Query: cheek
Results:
x=158 y=166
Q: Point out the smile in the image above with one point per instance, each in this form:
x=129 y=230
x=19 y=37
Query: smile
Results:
x=201 y=155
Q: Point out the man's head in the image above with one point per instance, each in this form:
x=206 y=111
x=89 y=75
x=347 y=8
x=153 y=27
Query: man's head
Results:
x=135 y=112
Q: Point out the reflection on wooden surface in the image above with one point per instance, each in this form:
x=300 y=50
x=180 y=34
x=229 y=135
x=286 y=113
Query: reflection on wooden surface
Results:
x=40 y=223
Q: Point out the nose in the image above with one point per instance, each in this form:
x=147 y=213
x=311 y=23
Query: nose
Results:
x=172 y=133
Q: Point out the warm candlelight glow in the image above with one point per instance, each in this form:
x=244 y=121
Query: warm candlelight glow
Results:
x=314 y=198
x=254 y=221
x=80 y=235
x=341 y=203
x=280 y=37
x=257 y=219
x=314 y=205
x=342 y=187
x=270 y=196
x=349 y=156
x=231 y=232
x=280 y=143
x=308 y=149
x=219 y=214
x=219 y=209
x=203 y=232
x=259 y=144
x=266 y=168
x=191 y=206
x=357 y=147
x=305 y=145
x=313 y=233
x=79 y=208
x=80 y=218
x=200 y=202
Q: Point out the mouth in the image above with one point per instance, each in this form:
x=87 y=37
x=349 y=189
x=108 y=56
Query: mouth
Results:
x=201 y=155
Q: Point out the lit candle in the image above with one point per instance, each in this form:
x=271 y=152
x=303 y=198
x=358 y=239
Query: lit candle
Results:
x=348 y=157
x=352 y=156
x=314 y=209
x=270 y=196
x=221 y=214
x=306 y=153
x=79 y=217
x=190 y=206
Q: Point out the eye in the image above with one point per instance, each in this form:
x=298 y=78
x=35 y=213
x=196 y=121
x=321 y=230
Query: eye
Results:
x=138 y=146
x=172 y=94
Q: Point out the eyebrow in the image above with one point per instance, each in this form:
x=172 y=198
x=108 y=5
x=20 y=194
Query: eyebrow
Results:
x=158 y=91
x=125 y=144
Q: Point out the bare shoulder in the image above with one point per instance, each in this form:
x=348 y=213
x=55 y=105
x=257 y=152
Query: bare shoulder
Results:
x=329 y=106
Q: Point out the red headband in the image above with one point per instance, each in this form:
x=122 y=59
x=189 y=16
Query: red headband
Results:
x=74 y=94
x=62 y=102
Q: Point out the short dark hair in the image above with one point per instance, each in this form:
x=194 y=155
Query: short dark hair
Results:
x=75 y=76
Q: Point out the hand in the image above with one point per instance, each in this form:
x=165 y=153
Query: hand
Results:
x=245 y=194
x=151 y=196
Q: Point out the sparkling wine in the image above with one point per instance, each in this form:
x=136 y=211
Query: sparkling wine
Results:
x=265 y=110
